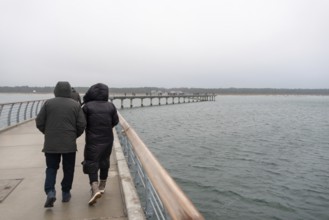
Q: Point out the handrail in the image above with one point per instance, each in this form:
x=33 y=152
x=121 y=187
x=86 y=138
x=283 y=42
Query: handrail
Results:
x=14 y=113
x=174 y=200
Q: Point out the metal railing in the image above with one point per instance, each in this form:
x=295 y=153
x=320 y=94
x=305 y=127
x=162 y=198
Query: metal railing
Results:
x=15 y=113
x=161 y=197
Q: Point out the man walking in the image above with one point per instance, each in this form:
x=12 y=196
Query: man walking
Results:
x=62 y=121
x=75 y=95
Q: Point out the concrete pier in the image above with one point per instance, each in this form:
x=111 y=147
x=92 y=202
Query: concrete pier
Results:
x=161 y=99
x=22 y=174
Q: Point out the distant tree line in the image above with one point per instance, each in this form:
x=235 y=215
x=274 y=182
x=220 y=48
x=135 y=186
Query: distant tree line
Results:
x=138 y=90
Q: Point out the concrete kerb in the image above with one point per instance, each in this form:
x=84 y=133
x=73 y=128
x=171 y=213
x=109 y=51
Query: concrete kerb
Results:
x=133 y=206
x=15 y=125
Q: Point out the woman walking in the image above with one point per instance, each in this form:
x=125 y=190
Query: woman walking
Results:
x=101 y=116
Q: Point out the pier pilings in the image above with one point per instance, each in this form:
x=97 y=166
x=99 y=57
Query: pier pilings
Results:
x=151 y=100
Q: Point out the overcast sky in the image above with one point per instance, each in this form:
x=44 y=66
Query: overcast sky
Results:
x=168 y=43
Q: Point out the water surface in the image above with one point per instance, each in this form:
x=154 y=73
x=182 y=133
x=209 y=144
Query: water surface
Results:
x=245 y=157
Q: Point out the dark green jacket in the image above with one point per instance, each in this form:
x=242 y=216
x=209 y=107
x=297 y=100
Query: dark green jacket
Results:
x=61 y=120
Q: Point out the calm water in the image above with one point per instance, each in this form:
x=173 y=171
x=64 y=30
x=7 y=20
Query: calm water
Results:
x=244 y=157
x=20 y=97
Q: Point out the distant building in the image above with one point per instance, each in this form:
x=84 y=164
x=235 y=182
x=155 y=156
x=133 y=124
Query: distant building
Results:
x=155 y=92
x=176 y=93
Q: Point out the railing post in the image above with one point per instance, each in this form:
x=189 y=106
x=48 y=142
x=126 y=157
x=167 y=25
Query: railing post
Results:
x=31 y=111
x=148 y=206
x=25 y=111
x=9 y=114
x=1 y=107
x=18 y=111
x=37 y=108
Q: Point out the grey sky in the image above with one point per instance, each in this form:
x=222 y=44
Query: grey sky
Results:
x=169 y=43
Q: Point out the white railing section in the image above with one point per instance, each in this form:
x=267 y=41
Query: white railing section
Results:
x=161 y=197
x=15 y=113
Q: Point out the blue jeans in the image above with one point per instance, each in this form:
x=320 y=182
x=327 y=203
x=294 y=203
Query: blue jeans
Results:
x=53 y=162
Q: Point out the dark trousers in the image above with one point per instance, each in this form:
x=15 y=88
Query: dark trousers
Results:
x=103 y=166
x=53 y=162
x=103 y=174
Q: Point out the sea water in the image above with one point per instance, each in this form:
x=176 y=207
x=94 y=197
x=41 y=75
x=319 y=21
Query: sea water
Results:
x=244 y=157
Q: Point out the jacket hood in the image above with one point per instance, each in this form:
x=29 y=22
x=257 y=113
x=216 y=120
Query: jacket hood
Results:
x=97 y=92
x=63 y=89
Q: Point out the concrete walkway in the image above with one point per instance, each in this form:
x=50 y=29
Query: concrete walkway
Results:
x=22 y=174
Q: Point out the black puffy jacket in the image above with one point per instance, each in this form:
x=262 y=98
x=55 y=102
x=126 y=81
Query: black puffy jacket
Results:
x=101 y=116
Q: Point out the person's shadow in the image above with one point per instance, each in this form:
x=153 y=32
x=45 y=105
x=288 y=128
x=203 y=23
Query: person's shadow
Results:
x=48 y=214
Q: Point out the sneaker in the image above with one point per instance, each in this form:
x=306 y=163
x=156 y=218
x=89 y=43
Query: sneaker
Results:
x=101 y=186
x=66 y=196
x=95 y=193
x=51 y=198
x=94 y=198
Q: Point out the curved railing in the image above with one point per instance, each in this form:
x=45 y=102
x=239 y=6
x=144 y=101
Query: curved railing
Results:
x=15 y=113
x=162 y=198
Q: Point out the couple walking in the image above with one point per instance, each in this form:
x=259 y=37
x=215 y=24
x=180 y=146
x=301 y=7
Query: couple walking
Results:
x=62 y=121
